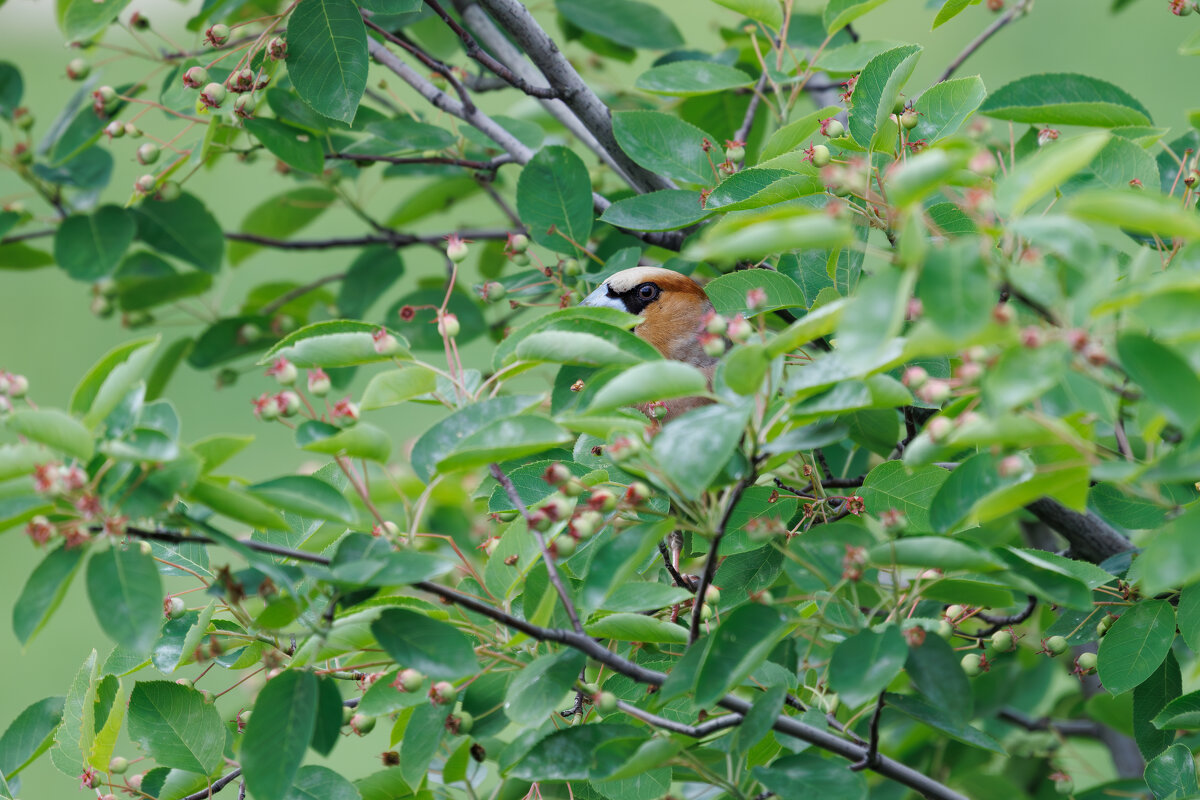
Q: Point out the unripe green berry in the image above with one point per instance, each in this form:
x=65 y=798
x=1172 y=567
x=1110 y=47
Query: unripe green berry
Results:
x=443 y=693
x=410 y=680
x=463 y=722
x=1056 y=645
x=170 y=190
x=118 y=765
x=591 y=689
x=1002 y=641
x=217 y=35
x=518 y=243
x=495 y=291
x=146 y=183
x=1087 y=661
x=114 y=130
x=564 y=546
x=195 y=77
x=972 y=664
x=821 y=156
x=244 y=106
x=1064 y=785
x=78 y=69
x=909 y=120
x=571 y=267
x=147 y=153
x=606 y=703
x=176 y=608
x=133 y=131
x=955 y=611
x=834 y=129
x=448 y=326
x=945 y=630
x=898 y=106
x=362 y=724
x=457 y=250
x=213 y=95
x=706 y=612
x=23 y=118
x=735 y=153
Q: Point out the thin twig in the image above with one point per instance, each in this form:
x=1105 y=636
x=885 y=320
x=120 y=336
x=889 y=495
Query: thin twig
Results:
x=21 y=237
x=1067 y=727
x=217 y=785
x=476 y=52
x=487 y=166
x=872 y=754
x=695 y=731
x=287 y=297
x=555 y=579
x=998 y=622
x=426 y=59
x=710 y=564
x=743 y=131
x=393 y=239
x=1018 y=9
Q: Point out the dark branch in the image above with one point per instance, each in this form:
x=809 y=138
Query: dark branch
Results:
x=1019 y=9
x=21 y=237
x=487 y=166
x=437 y=66
x=695 y=731
x=998 y=622
x=217 y=785
x=1091 y=538
x=287 y=297
x=393 y=239
x=1067 y=727
x=710 y=564
x=479 y=54
x=872 y=755
x=743 y=131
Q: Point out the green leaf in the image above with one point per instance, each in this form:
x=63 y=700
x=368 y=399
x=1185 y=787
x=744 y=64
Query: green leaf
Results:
x=935 y=671
x=645 y=383
x=374 y=270
x=1035 y=176
x=668 y=146
x=281 y=216
x=626 y=22
x=1168 y=380
x=327 y=56
x=334 y=343
x=1063 y=98
x=640 y=596
x=1150 y=697
x=183 y=228
x=83 y=19
x=503 y=440
x=107 y=383
x=934 y=551
x=618 y=560
x=361 y=441
x=20 y=256
x=761 y=717
x=796 y=133
x=422 y=738
x=406 y=133
x=215 y=450
x=53 y=428
x=809 y=775
x=296 y=147
x=89 y=246
x=538 y=689
x=364 y=560
x=666 y=210
x=1172 y=775
x=306 y=496
x=328 y=727
x=396 y=386
x=758 y=236
x=12 y=89
x=840 y=13
x=126 y=595
x=909 y=490
x=729 y=293
x=1169 y=560
x=321 y=783
x=738 y=647
x=937 y=718
x=176 y=727
x=955 y=288
x=142 y=293
x=627 y=627
x=1137 y=211
x=878 y=87
x=44 y=591
x=585 y=349
x=693 y=448
x=578 y=753
x=278 y=733
x=30 y=735
x=444 y=436
x=236 y=504
x=767 y=12
x=691 y=78
x=949 y=10
x=966 y=487
x=554 y=199
x=428 y=645
x=67 y=754
x=1136 y=645
x=863 y=665
x=819 y=322
x=1181 y=713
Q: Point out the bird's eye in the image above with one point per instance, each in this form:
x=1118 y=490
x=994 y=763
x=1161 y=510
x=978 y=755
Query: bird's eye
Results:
x=647 y=292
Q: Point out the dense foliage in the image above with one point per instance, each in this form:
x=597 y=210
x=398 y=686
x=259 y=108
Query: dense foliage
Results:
x=953 y=444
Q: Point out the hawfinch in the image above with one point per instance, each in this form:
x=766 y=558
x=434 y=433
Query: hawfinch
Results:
x=674 y=309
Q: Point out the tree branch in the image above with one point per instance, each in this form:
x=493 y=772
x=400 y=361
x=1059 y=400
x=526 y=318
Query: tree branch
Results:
x=476 y=52
x=710 y=565
x=872 y=754
x=1066 y=727
x=695 y=731
x=1019 y=9
x=1090 y=537
x=21 y=237
x=743 y=131
x=217 y=785
x=486 y=166
x=393 y=239
x=562 y=77
x=426 y=59
x=547 y=558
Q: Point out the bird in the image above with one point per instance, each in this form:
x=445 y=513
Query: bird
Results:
x=674 y=309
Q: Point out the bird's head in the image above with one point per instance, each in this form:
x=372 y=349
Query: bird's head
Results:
x=672 y=305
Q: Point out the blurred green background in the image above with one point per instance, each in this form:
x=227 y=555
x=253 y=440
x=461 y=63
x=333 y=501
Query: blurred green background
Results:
x=47 y=332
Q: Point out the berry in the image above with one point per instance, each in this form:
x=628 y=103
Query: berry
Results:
x=284 y=372
x=706 y=612
x=587 y=523
x=739 y=329
x=318 y=382
x=217 y=35
x=102 y=307
x=146 y=183
x=23 y=119
x=133 y=131
x=914 y=377
x=898 y=106
x=945 y=630
x=494 y=291
x=460 y=723
x=410 y=680
x=362 y=724
x=909 y=120
x=955 y=611
x=244 y=106
x=602 y=500
x=983 y=163
x=637 y=493
x=107 y=96
x=442 y=693
x=938 y=428
x=563 y=546
x=195 y=77
x=556 y=474
x=249 y=333
x=714 y=346
x=1064 y=785
x=735 y=153
x=1002 y=641
x=519 y=243
x=591 y=689
x=571 y=267
x=175 y=607
x=1056 y=645
x=972 y=664
x=606 y=702
x=457 y=250
x=118 y=766
x=170 y=190
x=821 y=156
x=1086 y=661
x=289 y=404
x=147 y=153
x=712 y=595
x=213 y=95
x=1003 y=313
x=716 y=325
x=1009 y=466
x=114 y=130
x=448 y=326
x=385 y=343
x=78 y=69
x=833 y=128
x=277 y=49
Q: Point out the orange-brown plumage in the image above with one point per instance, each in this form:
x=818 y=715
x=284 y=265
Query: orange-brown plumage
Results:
x=674 y=309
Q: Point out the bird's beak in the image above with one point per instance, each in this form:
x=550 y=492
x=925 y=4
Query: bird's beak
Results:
x=600 y=297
